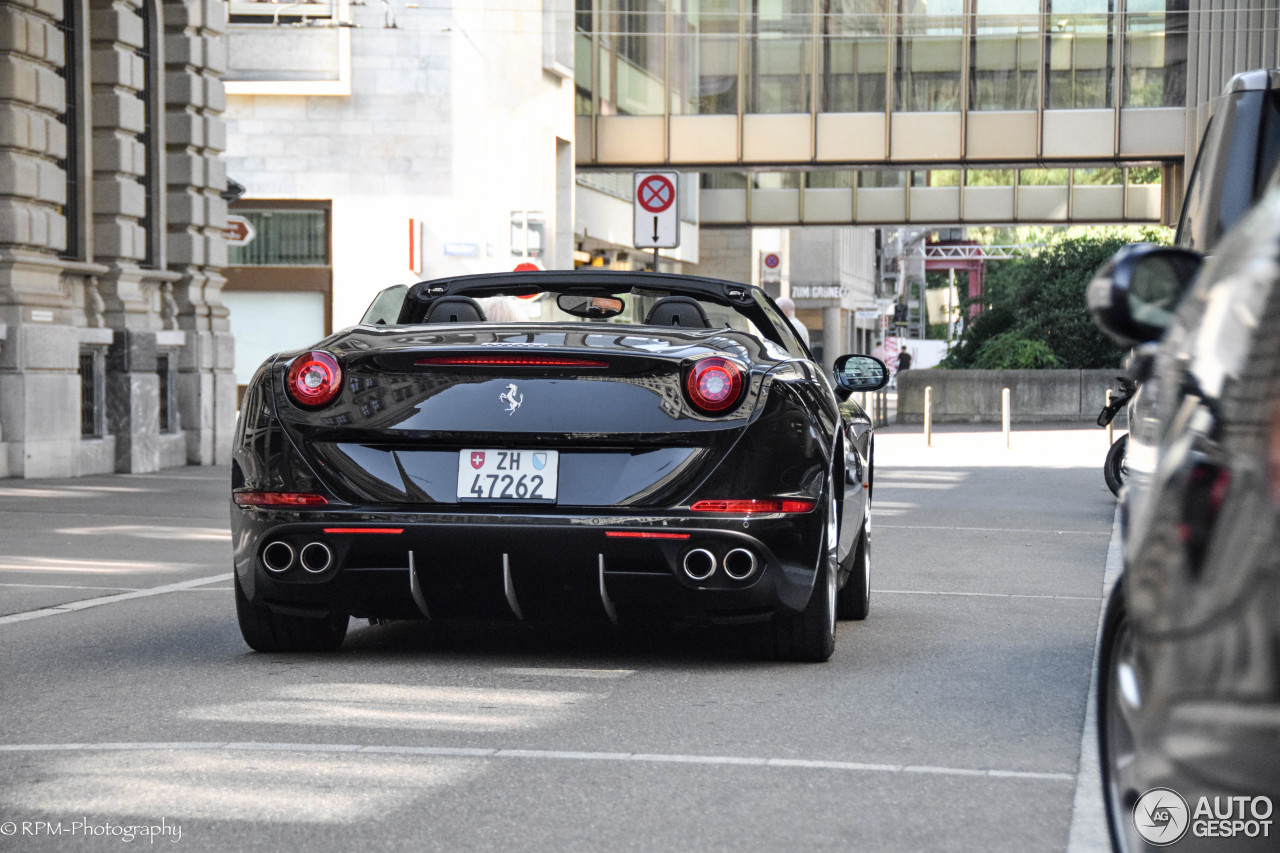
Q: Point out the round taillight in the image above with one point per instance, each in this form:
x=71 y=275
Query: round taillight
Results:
x=714 y=384
x=314 y=379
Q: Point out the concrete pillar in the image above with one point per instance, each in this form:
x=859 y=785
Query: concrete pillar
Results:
x=196 y=137
x=833 y=336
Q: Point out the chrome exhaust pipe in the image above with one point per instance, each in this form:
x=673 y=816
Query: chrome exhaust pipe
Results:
x=740 y=564
x=278 y=557
x=316 y=557
x=699 y=564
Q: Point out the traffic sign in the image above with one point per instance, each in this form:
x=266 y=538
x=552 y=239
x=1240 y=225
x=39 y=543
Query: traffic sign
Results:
x=772 y=260
x=239 y=231
x=657 y=211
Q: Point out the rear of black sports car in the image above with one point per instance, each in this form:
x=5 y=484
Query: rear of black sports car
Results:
x=532 y=471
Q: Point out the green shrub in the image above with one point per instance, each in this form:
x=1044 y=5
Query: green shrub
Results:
x=1010 y=351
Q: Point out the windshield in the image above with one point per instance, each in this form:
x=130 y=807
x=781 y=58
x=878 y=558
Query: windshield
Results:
x=607 y=299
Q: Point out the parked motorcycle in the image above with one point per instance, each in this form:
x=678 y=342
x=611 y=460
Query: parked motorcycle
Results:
x=1115 y=469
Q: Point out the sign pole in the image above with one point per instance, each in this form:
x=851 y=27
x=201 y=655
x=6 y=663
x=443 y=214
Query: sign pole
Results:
x=655 y=258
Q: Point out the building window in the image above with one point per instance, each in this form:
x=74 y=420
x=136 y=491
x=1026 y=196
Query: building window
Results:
x=165 y=368
x=289 y=238
x=528 y=233
x=93 y=415
x=1079 y=65
x=855 y=57
x=71 y=163
x=150 y=142
x=268 y=12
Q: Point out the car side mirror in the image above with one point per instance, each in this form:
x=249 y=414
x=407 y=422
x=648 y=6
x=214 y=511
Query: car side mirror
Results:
x=860 y=373
x=1134 y=296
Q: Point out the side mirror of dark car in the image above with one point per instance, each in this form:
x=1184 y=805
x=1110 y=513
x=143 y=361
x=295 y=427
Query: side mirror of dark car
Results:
x=860 y=373
x=1134 y=296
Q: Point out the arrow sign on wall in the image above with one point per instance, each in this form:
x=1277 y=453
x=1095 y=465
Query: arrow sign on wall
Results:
x=239 y=231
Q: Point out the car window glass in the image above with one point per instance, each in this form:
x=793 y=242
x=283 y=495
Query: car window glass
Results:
x=385 y=308
x=1154 y=292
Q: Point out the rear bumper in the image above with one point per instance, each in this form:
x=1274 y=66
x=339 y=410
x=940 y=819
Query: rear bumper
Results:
x=506 y=567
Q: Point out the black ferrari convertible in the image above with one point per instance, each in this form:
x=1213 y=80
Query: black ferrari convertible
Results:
x=556 y=445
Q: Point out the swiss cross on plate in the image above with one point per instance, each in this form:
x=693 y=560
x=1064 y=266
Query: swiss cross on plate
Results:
x=655 y=201
x=477 y=460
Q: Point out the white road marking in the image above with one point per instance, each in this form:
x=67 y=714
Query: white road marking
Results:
x=1089 y=833
x=985 y=594
x=99 y=567
x=73 y=606
x=554 y=672
x=67 y=586
x=991 y=529
x=181 y=533
x=547 y=754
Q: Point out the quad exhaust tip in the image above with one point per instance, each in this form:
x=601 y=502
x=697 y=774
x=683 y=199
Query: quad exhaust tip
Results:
x=278 y=557
x=740 y=564
x=316 y=557
x=699 y=564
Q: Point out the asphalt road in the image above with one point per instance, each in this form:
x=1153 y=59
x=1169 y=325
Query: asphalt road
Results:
x=950 y=720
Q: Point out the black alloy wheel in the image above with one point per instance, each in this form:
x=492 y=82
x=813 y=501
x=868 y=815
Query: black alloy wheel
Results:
x=265 y=631
x=810 y=635
x=1116 y=468
x=1118 y=703
x=854 y=601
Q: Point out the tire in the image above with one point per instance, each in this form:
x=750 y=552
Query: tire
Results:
x=854 y=600
x=1116 y=468
x=265 y=631
x=1116 y=741
x=810 y=635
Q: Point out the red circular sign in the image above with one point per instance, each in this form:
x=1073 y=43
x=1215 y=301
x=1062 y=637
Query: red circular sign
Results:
x=656 y=193
x=771 y=260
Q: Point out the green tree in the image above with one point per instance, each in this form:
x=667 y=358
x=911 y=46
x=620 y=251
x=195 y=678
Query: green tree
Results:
x=1034 y=312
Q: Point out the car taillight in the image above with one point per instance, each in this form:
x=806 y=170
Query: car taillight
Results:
x=506 y=361
x=314 y=379
x=750 y=506
x=714 y=384
x=285 y=499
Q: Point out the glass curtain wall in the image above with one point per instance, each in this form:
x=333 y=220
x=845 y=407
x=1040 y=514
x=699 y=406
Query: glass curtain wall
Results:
x=779 y=56
x=762 y=56
x=1155 y=53
x=855 y=55
x=1005 y=55
x=632 y=57
x=929 y=55
x=705 y=58
x=1079 y=54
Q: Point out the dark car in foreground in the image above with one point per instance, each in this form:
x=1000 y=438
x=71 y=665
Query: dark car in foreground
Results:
x=617 y=446
x=1189 y=676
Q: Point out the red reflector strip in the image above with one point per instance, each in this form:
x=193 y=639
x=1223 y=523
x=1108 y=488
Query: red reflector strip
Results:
x=507 y=361
x=643 y=534
x=279 y=499
x=754 y=506
x=388 y=530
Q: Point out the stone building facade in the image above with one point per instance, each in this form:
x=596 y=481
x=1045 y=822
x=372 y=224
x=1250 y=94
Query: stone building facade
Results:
x=115 y=351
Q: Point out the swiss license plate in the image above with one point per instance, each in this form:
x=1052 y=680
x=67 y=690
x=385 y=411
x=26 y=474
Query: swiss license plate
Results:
x=521 y=476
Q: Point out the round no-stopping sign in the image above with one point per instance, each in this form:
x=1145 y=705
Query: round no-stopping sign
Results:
x=655 y=194
x=771 y=261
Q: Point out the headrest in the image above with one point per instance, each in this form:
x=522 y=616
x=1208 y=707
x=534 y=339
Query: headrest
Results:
x=683 y=311
x=455 y=309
